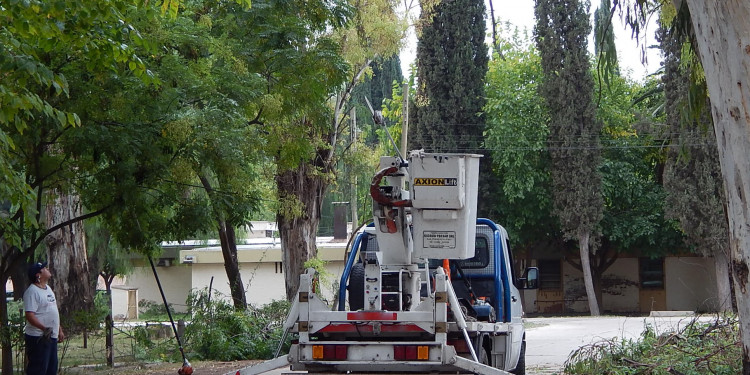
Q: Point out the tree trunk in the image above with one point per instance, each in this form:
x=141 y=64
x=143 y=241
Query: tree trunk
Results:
x=306 y=186
x=596 y=280
x=66 y=251
x=11 y=265
x=228 y=242
x=722 y=30
x=232 y=265
x=588 y=281
x=109 y=346
x=7 y=350
x=723 y=287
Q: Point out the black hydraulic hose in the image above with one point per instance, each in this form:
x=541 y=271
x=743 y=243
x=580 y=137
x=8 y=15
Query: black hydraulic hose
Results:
x=169 y=313
x=465 y=280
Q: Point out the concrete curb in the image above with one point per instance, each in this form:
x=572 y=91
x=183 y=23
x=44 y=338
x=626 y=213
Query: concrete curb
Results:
x=663 y=314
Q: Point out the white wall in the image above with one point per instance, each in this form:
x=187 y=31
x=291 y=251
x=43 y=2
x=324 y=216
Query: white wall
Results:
x=120 y=302
x=175 y=279
x=690 y=284
x=264 y=282
x=623 y=297
x=574 y=289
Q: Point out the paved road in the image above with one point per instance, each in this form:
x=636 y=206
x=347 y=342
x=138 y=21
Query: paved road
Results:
x=549 y=341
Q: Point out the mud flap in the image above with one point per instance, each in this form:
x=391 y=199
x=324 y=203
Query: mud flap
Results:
x=262 y=367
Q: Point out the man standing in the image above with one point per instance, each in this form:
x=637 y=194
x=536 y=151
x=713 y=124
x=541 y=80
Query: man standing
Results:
x=43 y=329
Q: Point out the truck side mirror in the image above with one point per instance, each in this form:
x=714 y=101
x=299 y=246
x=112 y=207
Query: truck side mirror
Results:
x=531 y=278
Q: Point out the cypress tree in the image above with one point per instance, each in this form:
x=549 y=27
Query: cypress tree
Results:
x=692 y=174
x=451 y=62
x=561 y=35
x=451 y=67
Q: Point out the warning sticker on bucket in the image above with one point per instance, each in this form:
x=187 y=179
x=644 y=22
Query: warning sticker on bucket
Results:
x=439 y=239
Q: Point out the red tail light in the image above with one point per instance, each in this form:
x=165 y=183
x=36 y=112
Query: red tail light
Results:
x=330 y=352
x=341 y=352
x=411 y=353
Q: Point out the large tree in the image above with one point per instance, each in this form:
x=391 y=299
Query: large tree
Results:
x=34 y=52
x=311 y=56
x=517 y=132
x=452 y=62
x=721 y=29
x=561 y=34
x=692 y=174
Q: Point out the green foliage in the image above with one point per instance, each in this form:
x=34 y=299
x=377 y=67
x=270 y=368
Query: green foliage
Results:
x=155 y=311
x=517 y=130
x=518 y=118
x=322 y=275
x=696 y=348
x=34 y=87
x=106 y=257
x=631 y=185
x=12 y=332
x=692 y=172
x=219 y=332
x=604 y=43
x=452 y=64
x=561 y=34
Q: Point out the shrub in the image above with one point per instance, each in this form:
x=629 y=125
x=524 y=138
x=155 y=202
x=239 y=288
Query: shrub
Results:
x=219 y=332
x=698 y=348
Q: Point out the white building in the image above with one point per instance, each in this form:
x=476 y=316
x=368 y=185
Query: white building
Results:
x=631 y=284
x=190 y=265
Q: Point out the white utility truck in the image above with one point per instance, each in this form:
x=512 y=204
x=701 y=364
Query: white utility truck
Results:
x=431 y=288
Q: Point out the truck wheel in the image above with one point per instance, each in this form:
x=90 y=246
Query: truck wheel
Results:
x=357 y=287
x=521 y=366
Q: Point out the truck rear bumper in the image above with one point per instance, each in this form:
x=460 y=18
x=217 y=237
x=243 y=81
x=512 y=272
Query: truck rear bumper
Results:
x=377 y=357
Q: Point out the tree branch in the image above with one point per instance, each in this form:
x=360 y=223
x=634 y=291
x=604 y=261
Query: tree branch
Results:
x=74 y=220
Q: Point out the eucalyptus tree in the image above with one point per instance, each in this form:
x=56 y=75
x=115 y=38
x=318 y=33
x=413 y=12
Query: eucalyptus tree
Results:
x=720 y=30
x=561 y=34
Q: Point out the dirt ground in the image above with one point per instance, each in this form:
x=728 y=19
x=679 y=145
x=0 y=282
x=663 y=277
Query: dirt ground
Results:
x=199 y=368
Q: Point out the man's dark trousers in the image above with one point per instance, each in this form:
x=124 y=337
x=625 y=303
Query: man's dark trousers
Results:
x=41 y=355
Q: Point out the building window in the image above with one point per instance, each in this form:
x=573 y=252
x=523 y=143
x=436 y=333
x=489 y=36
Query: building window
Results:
x=279 y=269
x=550 y=274
x=651 y=273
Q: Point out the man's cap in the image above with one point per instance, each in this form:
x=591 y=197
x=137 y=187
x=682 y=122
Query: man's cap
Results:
x=35 y=268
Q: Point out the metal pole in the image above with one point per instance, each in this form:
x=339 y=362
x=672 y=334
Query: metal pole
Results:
x=405 y=126
x=169 y=313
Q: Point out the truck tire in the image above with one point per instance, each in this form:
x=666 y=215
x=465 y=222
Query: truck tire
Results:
x=521 y=365
x=357 y=287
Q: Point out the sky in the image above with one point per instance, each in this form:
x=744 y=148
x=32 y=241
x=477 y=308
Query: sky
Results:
x=521 y=14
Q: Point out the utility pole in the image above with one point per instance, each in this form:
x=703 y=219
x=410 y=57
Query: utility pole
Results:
x=353 y=189
x=405 y=125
